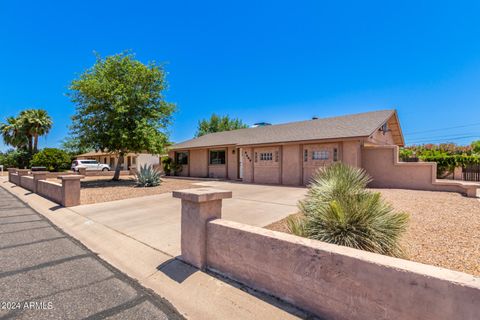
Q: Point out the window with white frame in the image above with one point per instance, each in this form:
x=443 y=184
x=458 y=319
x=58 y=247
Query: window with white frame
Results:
x=266 y=156
x=320 y=155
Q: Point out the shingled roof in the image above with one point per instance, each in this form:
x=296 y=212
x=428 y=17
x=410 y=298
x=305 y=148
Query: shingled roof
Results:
x=348 y=126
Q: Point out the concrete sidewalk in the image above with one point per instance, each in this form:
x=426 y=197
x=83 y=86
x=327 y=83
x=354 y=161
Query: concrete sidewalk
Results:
x=195 y=294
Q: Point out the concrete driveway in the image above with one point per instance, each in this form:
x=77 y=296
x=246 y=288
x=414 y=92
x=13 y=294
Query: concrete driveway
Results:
x=155 y=220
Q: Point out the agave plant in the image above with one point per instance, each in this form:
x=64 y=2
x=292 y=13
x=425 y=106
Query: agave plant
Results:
x=338 y=209
x=147 y=176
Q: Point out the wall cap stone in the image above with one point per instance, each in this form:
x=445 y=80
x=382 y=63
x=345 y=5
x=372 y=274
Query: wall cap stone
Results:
x=39 y=172
x=71 y=177
x=202 y=194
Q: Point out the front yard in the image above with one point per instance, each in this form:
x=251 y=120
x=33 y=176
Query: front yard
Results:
x=444 y=228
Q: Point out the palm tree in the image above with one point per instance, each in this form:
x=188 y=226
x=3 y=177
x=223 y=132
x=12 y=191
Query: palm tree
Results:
x=37 y=123
x=13 y=132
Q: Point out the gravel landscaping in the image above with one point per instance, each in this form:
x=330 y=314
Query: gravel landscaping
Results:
x=103 y=189
x=444 y=228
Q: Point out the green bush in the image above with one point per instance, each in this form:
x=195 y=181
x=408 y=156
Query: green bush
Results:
x=171 y=167
x=18 y=158
x=52 y=158
x=338 y=209
x=147 y=176
x=446 y=164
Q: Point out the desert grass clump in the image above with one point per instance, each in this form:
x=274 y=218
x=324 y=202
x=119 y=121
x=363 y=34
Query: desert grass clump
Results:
x=338 y=209
x=147 y=176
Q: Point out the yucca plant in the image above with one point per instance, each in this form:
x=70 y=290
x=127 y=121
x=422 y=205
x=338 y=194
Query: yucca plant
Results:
x=338 y=209
x=147 y=176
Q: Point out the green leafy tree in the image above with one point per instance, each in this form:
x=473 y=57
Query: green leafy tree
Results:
x=73 y=146
x=218 y=124
x=15 y=158
x=476 y=146
x=52 y=158
x=120 y=107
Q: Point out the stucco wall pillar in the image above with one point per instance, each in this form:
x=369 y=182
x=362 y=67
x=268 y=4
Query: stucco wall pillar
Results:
x=22 y=172
x=70 y=190
x=198 y=207
x=10 y=172
x=458 y=173
x=37 y=176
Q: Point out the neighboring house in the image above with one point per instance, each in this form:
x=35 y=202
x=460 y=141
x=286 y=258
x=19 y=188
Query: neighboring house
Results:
x=290 y=153
x=130 y=159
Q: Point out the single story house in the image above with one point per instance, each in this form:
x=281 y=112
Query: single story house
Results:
x=287 y=153
x=291 y=153
x=130 y=159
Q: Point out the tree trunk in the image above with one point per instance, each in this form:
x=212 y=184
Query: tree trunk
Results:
x=116 y=176
x=35 y=143
x=30 y=144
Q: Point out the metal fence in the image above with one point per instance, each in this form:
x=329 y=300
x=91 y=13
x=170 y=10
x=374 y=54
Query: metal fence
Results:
x=471 y=172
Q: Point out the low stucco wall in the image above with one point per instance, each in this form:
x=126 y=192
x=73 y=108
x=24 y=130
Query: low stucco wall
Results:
x=50 y=190
x=88 y=173
x=26 y=182
x=105 y=173
x=382 y=164
x=14 y=178
x=54 y=175
x=337 y=282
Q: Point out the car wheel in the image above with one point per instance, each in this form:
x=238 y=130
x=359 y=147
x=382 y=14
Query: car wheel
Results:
x=105 y=169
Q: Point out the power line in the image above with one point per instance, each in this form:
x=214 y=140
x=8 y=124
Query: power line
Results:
x=446 y=136
x=441 y=129
x=444 y=139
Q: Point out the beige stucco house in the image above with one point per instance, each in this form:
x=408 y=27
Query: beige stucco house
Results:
x=287 y=153
x=130 y=159
x=290 y=153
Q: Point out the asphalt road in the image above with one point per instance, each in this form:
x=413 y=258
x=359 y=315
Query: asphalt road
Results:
x=46 y=274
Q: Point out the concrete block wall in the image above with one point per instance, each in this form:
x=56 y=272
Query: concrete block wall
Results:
x=26 y=182
x=383 y=165
x=332 y=282
x=66 y=193
x=50 y=190
x=14 y=178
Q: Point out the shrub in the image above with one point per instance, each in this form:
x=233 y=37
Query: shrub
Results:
x=338 y=209
x=447 y=164
x=18 y=158
x=170 y=166
x=51 y=158
x=147 y=176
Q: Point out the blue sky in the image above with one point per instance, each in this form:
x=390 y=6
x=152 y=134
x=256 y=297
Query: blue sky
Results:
x=260 y=61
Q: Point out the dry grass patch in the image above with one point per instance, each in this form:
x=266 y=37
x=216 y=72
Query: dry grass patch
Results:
x=103 y=189
x=444 y=228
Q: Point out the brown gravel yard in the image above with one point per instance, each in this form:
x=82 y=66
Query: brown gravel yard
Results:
x=102 y=189
x=444 y=228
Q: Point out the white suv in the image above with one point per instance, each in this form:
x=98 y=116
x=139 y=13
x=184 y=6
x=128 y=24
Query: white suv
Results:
x=90 y=165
